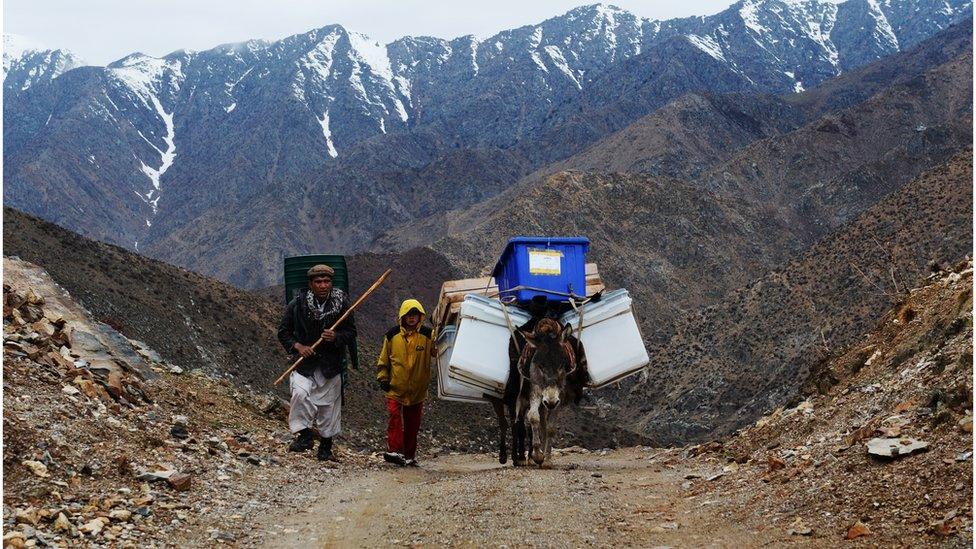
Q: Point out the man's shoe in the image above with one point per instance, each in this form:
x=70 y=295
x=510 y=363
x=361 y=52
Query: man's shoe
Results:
x=325 y=450
x=303 y=442
x=395 y=458
x=412 y=462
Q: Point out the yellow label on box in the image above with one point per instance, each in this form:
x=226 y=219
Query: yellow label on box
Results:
x=545 y=262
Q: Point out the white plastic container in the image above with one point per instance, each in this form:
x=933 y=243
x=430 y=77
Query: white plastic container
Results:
x=449 y=388
x=480 y=354
x=611 y=338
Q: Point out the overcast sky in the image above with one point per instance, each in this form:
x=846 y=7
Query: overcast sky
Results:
x=102 y=31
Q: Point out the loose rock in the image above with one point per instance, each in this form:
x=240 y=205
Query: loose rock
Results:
x=798 y=528
x=857 y=530
x=94 y=526
x=179 y=481
x=894 y=447
x=37 y=468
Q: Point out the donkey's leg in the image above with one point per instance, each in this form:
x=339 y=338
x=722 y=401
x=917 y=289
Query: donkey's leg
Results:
x=536 y=418
x=499 y=407
x=518 y=434
x=550 y=432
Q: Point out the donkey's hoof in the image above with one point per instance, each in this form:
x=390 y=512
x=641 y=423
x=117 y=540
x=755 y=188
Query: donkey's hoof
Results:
x=518 y=462
x=502 y=457
x=538 y=457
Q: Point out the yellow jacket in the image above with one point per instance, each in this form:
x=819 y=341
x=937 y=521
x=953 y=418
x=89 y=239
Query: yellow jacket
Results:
x=405 y=358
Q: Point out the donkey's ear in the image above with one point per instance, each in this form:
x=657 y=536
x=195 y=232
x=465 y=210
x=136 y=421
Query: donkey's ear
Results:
x=566 y=333
x=529 y=336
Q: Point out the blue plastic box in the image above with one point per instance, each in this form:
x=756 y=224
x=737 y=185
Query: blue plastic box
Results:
x=552 y=266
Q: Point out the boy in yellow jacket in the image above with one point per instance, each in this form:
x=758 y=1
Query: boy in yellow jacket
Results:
x=403 y=372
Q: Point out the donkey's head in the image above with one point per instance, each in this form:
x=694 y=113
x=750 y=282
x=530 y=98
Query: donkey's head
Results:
x=549 y=359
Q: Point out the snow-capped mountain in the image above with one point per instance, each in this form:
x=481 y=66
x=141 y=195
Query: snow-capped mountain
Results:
x=792 y=44
x=147 y=146
x=26 y=63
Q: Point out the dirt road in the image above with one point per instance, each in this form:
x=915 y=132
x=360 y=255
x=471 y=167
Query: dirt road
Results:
x=621 y=498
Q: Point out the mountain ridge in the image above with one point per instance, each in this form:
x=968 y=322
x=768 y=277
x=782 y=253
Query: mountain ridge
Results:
x=161 y=145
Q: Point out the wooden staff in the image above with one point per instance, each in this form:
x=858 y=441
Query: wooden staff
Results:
x=375 y=285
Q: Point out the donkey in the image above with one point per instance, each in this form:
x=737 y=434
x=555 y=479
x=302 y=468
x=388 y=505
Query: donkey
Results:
x=548 y=372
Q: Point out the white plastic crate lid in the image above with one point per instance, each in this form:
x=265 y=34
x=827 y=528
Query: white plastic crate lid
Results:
x=490 y=310
x=610 y=305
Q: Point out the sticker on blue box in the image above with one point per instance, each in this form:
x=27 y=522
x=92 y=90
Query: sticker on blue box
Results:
x=544 y=262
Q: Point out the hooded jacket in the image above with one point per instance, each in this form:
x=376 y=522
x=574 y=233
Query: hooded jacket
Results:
x=298 y=325
x=405 y=358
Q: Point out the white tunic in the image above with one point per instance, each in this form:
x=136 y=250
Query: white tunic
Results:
x=316 y=402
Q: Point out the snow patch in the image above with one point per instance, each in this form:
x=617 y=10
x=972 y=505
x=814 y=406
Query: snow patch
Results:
x=231 y=107
x=318 y=61
x=54 y=63
x=327 y=132
x=112 y=102
x=234 y=84
x=16 y=46
x=886 y=35
x=708 y=45
x=819 y=29
x=400 y=109
x=154 y=174
x=749 y=12
x=557 y=58
x=474 y=55
x=373 y=56
x=403 y=86
x=144 y=75
x=534 y=40
x=798 y=87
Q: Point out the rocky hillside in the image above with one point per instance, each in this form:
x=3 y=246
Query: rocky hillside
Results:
x=823 y=174
x=331 y=117
x=194 y=321
x=728 y=363
x=882 y=450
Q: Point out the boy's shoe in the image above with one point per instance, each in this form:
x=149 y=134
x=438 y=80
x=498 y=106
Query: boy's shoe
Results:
x=412 y=462
x=395 y=458
x=303 y=441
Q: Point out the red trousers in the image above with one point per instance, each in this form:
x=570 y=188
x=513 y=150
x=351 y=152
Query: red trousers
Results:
x=401 y=432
